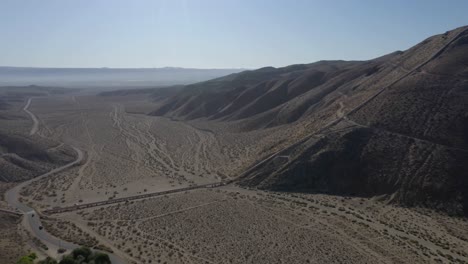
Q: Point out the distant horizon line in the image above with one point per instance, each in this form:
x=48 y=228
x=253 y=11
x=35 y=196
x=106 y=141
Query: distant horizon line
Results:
x=194 y=68
x=176 y=67
x=126 y=68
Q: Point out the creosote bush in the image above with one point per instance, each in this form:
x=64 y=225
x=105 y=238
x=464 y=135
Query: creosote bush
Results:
x=81 y=255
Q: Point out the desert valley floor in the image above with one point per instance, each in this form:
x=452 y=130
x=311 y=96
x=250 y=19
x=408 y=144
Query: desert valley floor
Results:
x=120 y=152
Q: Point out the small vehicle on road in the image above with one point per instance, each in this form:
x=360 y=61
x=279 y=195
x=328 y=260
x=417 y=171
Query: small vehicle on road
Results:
x=40 y=227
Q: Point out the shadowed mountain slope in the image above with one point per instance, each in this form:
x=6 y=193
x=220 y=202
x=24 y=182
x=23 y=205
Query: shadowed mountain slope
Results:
x=395 y=126
x=22 y=158
x=250 y=93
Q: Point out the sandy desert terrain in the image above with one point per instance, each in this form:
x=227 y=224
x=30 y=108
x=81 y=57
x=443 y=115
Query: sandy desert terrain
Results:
x=233 y=225
x=128 y=153
x=12 y=244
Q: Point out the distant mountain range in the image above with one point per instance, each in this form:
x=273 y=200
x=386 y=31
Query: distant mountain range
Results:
x=107 y=77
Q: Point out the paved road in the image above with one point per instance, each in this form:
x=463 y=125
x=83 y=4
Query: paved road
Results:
x=32 y=221
x=35 y=125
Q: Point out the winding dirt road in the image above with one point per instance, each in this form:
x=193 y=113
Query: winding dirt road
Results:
x=35 y=125
x=31 y=219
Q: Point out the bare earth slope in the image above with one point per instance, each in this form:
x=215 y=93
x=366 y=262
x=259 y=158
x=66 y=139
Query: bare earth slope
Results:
x=22 y=158
x=24 y=155
x=393 y=126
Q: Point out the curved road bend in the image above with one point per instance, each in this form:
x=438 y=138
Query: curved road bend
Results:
x=31 y=220
x=35 y=125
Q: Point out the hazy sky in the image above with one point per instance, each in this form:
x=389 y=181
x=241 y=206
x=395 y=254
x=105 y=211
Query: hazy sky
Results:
x=214 y=33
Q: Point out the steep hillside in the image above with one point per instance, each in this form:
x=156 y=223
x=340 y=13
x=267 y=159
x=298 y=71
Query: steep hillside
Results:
x=395 y=126
x=22 y=158
x=251 y=93
x=407 y=141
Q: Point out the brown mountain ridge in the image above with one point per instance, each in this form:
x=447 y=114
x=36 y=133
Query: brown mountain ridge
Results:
x=395 y=126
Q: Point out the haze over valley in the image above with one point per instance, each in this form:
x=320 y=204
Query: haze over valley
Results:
x=107 y=77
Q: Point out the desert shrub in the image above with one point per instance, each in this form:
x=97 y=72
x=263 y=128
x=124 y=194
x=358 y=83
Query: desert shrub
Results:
x=48 y=260
x=81 y=255
x=81 y=251
x=28 y=259
x=68 y=260
x=100 y=258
